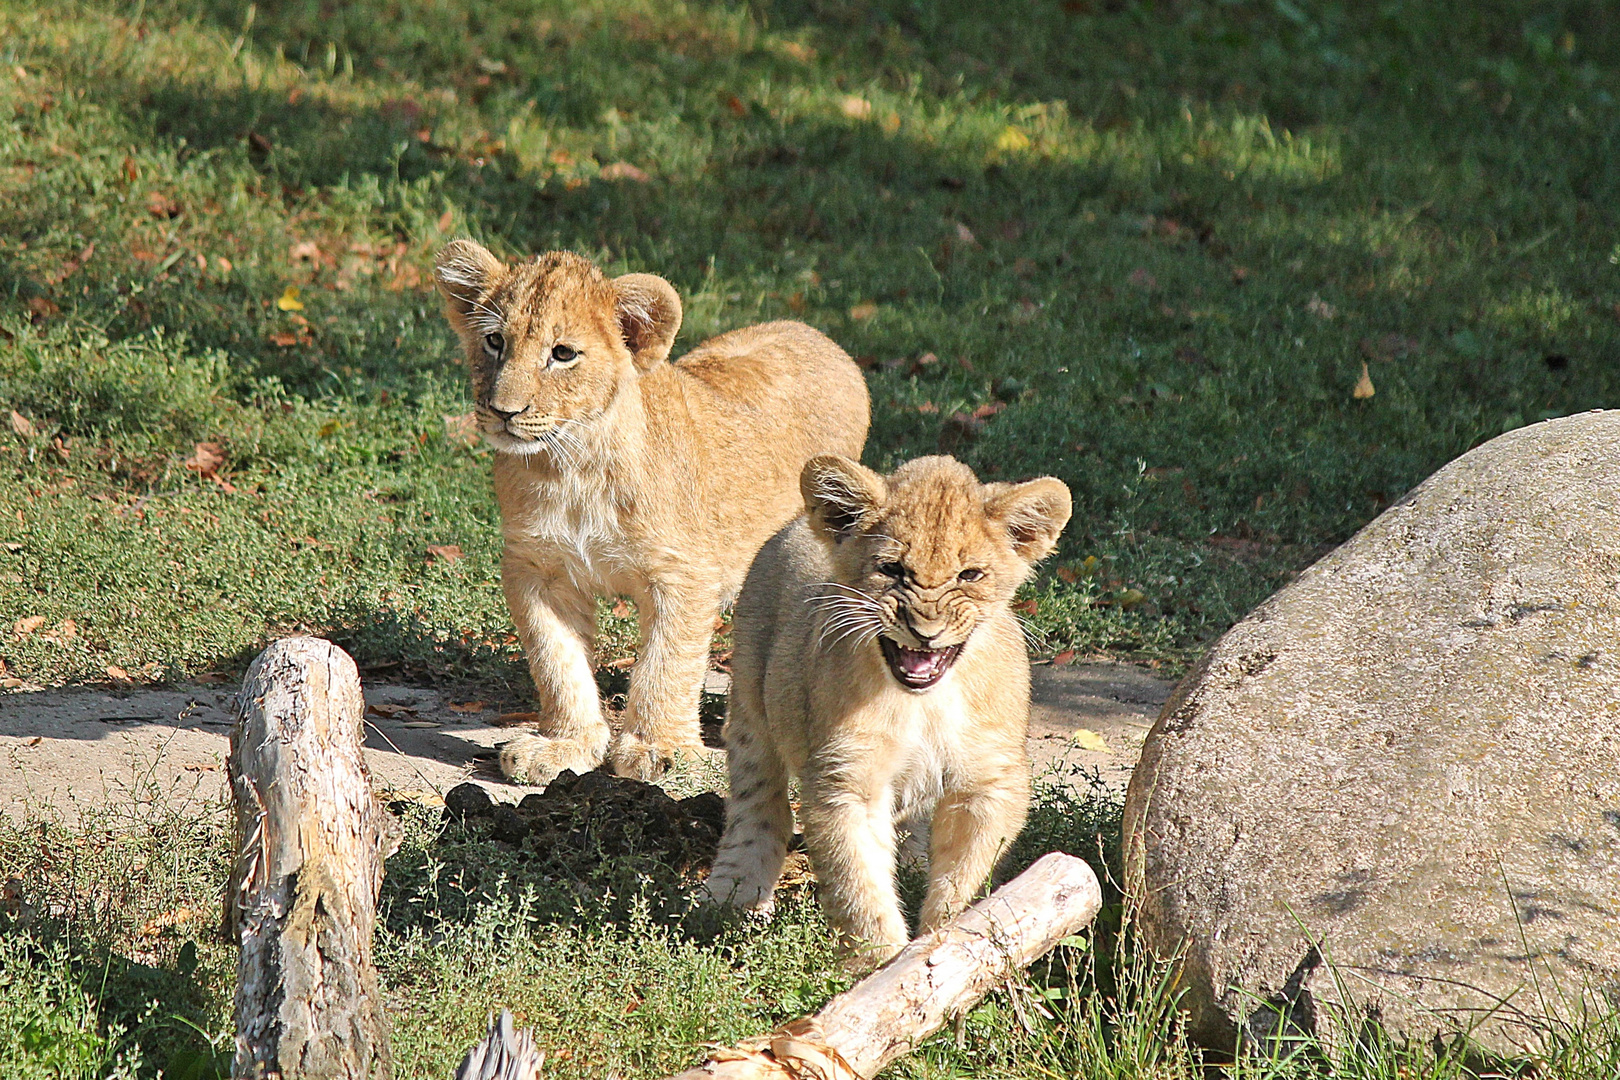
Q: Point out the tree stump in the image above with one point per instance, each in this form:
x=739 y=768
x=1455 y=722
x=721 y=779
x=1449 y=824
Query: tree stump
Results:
x=933 y=979
x=311 y=840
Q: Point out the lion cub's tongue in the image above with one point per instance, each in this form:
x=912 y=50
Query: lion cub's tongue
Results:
x=921 y=663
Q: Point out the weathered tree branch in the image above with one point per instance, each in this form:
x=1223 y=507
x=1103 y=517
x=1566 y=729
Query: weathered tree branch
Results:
x=934 y=979
x=311 y=840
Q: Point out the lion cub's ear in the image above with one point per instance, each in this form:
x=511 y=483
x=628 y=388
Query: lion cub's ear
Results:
x=464 y=272
x=649 y=316
x=840 y=494
x=1033 y=513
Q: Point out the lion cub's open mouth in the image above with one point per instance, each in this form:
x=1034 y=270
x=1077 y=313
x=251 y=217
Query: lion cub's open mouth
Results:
x=918 y=669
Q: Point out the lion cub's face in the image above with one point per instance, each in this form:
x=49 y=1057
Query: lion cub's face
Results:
x=922 y=556
x=551 y=342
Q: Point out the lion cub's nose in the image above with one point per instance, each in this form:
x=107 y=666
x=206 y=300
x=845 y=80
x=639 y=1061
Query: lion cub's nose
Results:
x=924 y=630
x=504 y=414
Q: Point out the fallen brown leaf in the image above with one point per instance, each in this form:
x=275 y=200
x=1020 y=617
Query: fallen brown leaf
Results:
x=445 y=553
x=1364 y=385
x=1063 y=658
x=36 y=740
x=205 y=459
x=21 y=426
x=620 y=664
x=160 y=205
x=1026 y=607
x=622 y=610
x=389 y=712
x=27 y=625
x=467 y=706
x=623 y=170
x=513 y=719
x=118 y=673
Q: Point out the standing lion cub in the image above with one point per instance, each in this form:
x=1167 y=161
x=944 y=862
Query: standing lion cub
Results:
x=621 y=473
x=879 y=660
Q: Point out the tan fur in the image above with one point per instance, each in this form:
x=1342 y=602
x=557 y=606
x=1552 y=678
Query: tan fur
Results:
x=620 y=473
x=813 y=695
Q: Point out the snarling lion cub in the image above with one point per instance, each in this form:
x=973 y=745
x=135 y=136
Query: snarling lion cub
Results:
x=620 y=473
x=878 y=659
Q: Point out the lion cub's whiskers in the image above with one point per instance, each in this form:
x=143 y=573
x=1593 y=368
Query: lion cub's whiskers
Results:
x=849 y=612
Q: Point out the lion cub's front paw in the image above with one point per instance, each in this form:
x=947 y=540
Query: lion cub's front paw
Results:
x=632 y=756
x=535 y=759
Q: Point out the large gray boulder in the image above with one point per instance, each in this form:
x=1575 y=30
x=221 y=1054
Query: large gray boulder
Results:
x=1409 y=758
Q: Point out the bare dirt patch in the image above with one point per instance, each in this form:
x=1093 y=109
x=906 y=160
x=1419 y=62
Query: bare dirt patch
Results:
x=66 y=749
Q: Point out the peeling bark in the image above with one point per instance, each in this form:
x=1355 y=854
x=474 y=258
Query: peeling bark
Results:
x=932 y=980
x=311 y=840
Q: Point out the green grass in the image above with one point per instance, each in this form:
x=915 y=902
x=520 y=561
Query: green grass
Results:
x=111 y=965
x=1164 y=239
x=1154 y=242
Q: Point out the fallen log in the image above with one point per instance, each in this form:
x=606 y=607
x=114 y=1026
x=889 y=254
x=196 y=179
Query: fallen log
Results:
x=311 y=840
x=934 y=979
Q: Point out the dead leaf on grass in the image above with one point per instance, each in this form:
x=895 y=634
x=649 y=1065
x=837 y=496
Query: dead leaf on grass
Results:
x=206 y=458
x=623 y=170
x=27 y=625
x=115 y=672
x=621 y=609
x=445 y=553
x=1364 y=385
x=160 y=205
x=21 y=426
x=1064 y=658
x=863 y=310
x=65 y=631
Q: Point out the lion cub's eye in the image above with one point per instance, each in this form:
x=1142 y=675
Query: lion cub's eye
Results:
x=972 y=573
x=562 y=354
x=892 y=569
x=495 y=343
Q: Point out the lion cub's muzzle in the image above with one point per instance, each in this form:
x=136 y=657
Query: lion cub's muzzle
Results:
x=918 y=669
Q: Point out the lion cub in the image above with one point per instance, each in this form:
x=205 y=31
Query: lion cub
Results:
x=877 y=658
x=621 y=473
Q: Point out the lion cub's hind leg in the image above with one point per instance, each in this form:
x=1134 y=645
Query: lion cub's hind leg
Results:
x=759 y=824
